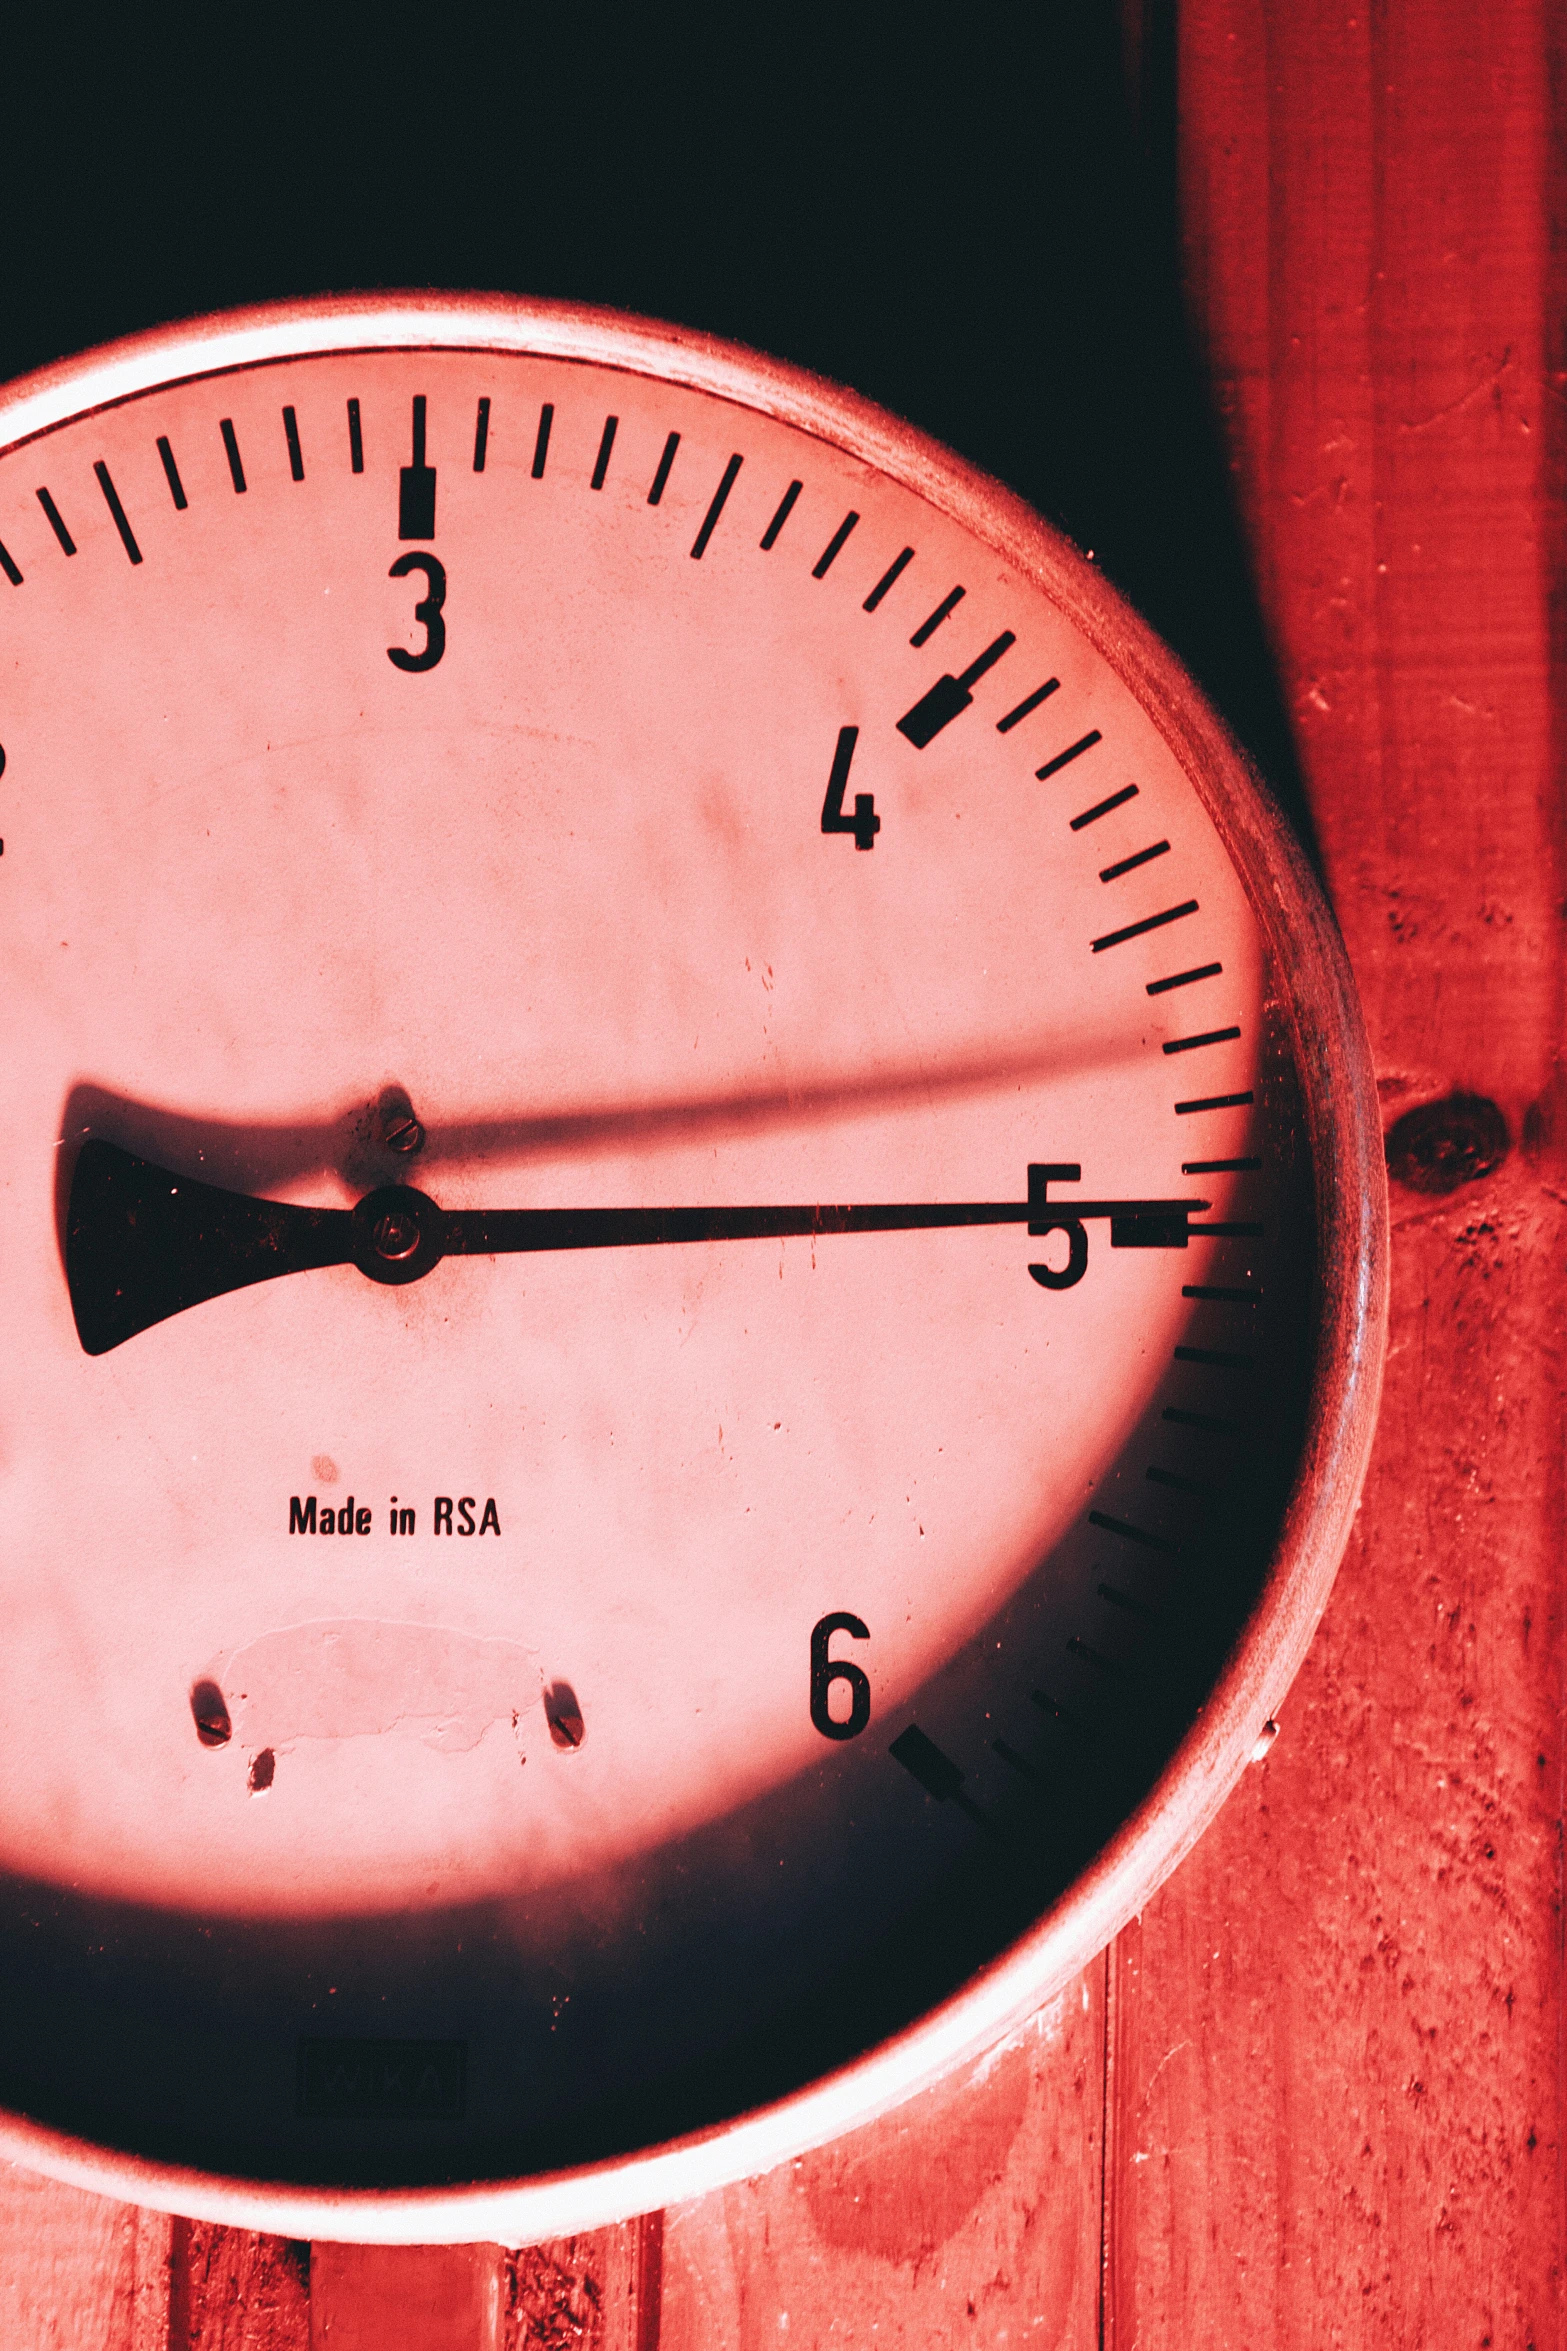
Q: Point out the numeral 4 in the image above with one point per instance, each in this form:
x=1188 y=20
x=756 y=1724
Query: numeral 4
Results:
x=864 y=824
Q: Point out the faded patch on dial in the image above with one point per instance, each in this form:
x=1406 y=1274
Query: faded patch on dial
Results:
x=358 y=1677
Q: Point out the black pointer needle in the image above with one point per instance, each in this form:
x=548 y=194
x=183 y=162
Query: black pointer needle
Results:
x=142 y=1243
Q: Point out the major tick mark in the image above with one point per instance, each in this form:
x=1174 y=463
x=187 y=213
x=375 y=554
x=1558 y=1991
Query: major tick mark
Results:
x=936 y=1773
x=1015 y=718
x=481 y=434
x=785 y=509
x=1113 y=873
x=231 y=446
x=606 y=444
x=898 y=564
x=949 y=696
x=830 y=553
x=171 y=474
x=55 y=522
x=664 y=464
x=1150 y=922
x=948 y=605
x=8 y=566
x=356 y=445
x=296 y=461
x=1216 y=1295
x=1220 y=1166
x=1103 y=808
x=1227 y=1232
x=541 y=445
x=111 y=498
x=710 y=518
x=416 y=484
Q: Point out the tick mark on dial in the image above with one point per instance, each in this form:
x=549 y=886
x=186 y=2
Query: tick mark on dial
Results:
x=1103 y=808
x=1150 y=922
x=606 y=444
x=1066 y=757
x=416 y=484
x=1015 y=718
x=1213 y=1102
x=8 y=566
x=936 y=1773
x=1208 y=1037
x=541 y=445
x=1184 y=979
x=928 y=627
x=171 y=474
x=356 y=445
x=1182 y=1485
x=950 y=696
x=55 y=522
x=769 y=537
x=1130 y=1534
x=111 y=498
x=481 y=435
x=893 y=572
x=834 y=547
x=661 y=478
x=1125 y=865
x=296 y=459
x=1125 y=1601
x=719 y=501
x=231 y=446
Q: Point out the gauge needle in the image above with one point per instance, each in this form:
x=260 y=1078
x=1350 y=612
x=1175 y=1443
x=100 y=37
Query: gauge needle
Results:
x=142 y=1243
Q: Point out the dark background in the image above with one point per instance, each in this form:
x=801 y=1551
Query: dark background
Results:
x=953 y=211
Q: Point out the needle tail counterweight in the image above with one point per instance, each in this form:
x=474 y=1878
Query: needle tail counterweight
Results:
x=142 y=1243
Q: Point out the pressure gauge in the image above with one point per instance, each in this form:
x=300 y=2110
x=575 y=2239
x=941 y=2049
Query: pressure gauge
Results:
x=693 y=1251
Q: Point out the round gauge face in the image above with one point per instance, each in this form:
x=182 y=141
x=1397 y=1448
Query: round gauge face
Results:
x=665 y=1243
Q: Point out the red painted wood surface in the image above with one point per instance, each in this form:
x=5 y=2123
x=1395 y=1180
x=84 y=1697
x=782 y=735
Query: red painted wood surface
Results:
x=1314 y=2096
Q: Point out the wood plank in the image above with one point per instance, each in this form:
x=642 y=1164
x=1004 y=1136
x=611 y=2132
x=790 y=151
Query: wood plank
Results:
x=230 y=2290
x=1336 y=2057
x=78 y=2272
x=406 y=2297
x=968 y=2217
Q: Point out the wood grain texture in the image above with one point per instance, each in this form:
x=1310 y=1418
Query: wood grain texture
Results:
x=77 y=2272
x=230 y=2290
x=971 y=2217
x=1336 y=2053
